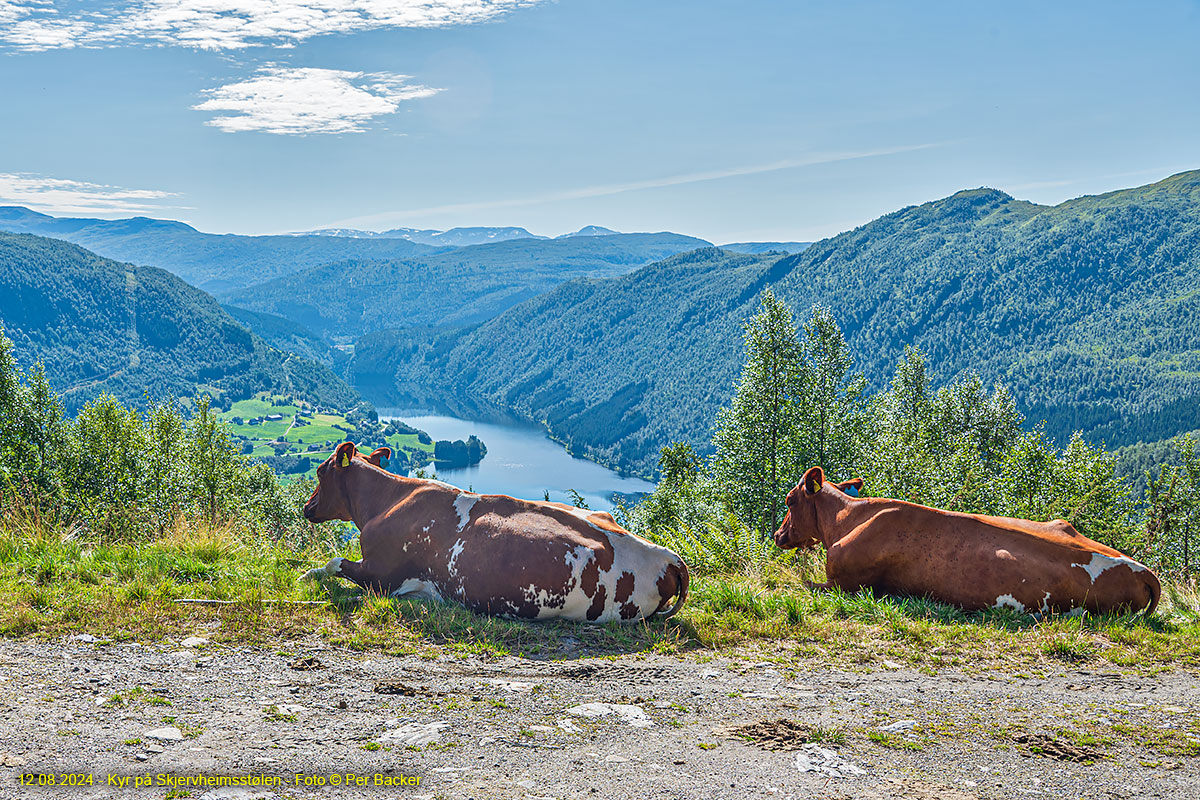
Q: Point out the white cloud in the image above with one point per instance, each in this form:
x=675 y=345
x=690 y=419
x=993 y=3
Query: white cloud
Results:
x=75 y=197
x=229 y=24
x=306 y=100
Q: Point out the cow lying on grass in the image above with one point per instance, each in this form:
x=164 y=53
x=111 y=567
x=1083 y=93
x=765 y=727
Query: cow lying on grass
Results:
x=968 y=560
x=492 y=553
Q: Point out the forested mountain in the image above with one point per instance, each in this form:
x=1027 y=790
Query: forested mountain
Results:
x=1089 y=311
x=456 y=287
x=283 y=334
x=137 y=332
x=614 y=367
x=211 y=261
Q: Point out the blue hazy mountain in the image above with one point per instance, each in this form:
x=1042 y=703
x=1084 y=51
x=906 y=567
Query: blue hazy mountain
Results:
x=210 y=261
x=461 y=286
x=590 y=230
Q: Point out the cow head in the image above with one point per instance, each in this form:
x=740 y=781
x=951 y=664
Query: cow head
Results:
x=799 y=528
x=330 y=500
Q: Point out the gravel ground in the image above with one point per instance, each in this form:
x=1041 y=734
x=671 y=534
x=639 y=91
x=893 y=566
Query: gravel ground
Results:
x=631 y=726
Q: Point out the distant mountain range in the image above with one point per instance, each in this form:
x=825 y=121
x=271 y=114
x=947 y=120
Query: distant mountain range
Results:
x=455 y=237
x=210 y=261
x=137 y=332
x=462 y=286
x=227 y=263
x=1089 y=311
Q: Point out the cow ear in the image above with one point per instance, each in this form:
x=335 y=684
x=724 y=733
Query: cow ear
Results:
x=345 y=454
x=813 y=479
x=853 y=487
x=381 y=457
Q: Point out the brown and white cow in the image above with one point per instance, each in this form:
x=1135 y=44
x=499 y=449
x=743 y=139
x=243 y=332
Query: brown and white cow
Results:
x=968 y=560
x=493 y=553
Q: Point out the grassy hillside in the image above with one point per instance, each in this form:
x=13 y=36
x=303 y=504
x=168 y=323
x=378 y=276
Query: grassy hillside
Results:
x=458 y=287
x=1088 y=310
x=137 y=332
x=211 y=261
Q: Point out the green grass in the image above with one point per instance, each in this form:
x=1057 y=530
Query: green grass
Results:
x=53 y=584
x=893 y=742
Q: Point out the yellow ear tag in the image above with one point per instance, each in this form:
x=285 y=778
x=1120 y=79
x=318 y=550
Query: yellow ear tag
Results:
x=817 y=489
x=345 y=459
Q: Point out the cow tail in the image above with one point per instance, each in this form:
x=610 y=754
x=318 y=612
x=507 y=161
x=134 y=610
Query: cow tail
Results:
x=1155 y=590
x=681 y=581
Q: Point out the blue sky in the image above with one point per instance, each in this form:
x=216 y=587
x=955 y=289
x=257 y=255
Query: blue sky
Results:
x=727 y=120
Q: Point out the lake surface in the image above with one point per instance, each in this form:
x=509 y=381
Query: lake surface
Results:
x=521 y=461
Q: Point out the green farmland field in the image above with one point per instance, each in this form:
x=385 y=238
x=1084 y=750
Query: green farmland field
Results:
x=305 y=432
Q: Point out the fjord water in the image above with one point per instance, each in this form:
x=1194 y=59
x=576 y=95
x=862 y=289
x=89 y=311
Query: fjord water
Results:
x=521 y=461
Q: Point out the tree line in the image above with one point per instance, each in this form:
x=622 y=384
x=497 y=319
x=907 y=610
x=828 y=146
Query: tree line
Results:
x=799 y=403
x=114 y=472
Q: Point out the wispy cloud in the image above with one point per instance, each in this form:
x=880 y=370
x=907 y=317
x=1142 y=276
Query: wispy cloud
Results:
x=602 y=190
x=306 y=100
x=76 y=197
x=228 y=24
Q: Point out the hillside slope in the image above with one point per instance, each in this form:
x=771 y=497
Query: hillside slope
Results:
x=457 y=287
x=213 y=262
x=99 y=325
x=1089 y=311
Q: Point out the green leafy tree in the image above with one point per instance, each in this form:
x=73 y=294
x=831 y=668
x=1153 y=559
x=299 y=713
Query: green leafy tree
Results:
x=105 y=461
x=165 y=464
x=832 y=419
x=10 y=413
x=758 y=451
x=217 y=473
x=1172 y=508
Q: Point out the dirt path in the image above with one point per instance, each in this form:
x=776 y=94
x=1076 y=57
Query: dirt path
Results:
x=472 y=727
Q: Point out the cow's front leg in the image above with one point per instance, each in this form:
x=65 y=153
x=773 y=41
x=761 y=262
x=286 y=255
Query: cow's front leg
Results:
x=336 y=568
x=853 y=563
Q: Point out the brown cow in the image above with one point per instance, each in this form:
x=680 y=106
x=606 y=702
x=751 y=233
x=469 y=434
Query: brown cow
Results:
x=968 y=560
x=492 y=553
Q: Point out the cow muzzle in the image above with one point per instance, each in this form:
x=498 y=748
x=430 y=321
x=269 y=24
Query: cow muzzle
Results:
x=310 y=508
x=784 y=535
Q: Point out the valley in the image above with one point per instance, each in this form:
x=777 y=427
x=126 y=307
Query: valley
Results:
x=618 y=344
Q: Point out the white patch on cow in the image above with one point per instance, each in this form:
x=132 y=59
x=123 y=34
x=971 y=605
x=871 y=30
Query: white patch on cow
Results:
x=462 y=506
x=330 y=570
x=415 y=587
x=1045 y=604
x=455 y=552
x=547 y=604
x=1100 y=562
x=1007 y=600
